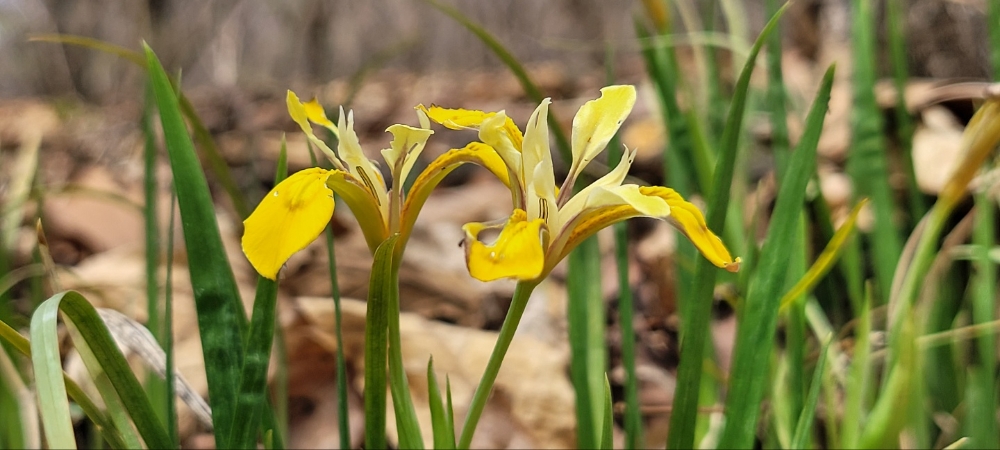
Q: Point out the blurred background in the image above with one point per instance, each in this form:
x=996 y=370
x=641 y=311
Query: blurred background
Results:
x=81 y=110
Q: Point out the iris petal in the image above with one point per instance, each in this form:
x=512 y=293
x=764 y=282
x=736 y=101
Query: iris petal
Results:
x=290 y=217
x=517 y=252
x=302 y=114
x=596 y=123
x=460 y=119
x=688 y=219
x=475 y=152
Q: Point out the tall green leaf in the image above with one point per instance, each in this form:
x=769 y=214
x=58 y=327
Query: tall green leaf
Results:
x=221 y=320
x=685 y=406
x=755 y=333
x=376 y=343
x=252 y=394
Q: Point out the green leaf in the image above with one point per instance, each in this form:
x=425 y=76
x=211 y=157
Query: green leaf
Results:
x=444 y=428
x=406 y=415
x=252 y=394
x=755 y=333
x=867 y=162
x=221 y=320
x=685 y=406
x=585 y=312
x=96 y=338
x=376 y=343
x=607 y=425
x=801 y=437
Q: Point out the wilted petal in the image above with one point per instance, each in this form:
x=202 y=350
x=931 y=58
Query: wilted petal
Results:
x=688 y=219
x=289 y=217
x=517 y=252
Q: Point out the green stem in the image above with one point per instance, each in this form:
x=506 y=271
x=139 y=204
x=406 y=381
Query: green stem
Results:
x=517 y=304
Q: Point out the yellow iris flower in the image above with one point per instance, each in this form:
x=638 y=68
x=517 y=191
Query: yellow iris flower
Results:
x=548 y=222
x=297 y=210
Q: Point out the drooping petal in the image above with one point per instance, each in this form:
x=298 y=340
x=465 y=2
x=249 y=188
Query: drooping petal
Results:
x=496 y=134
x=536 y=162
x=460 y=119
x=475 y=152
x=302 y=114
x=688 y=219
x=407 y=143
x=517 y=252
x=289 y=217
x=596 y=123
x=363 y=169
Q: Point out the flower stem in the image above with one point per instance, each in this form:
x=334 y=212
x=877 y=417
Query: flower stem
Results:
x=517 y=304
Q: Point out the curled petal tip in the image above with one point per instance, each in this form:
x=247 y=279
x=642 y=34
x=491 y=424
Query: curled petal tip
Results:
x=734 y=266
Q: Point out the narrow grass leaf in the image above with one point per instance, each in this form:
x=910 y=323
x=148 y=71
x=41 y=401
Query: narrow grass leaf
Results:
x=105 y=351
x=981 y=391
x=755 y=333
x=585 y=314
x=221 y=320
x=607 y=425
x=251 y=397
x=108 y=430
x=904 y=121
x=801 y=437
x=281 y=370
x=406 y=414
x=859 y=378
x=867 y=161
x=685 y=406
x=826 y=260
x=993 y=27
x=444 y=430
x=47 y=365
x=376 y=343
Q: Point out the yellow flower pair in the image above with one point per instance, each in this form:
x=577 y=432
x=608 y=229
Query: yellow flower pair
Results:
x=546 y=222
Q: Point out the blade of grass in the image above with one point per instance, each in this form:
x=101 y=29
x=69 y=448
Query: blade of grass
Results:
x=586 y=338
x=221 y=319
x=904 y=121
x=801 y=437
x=633 y=416
x=406 y=414
x=444 y=429
x=755 y=333
x=99 y=341
x=251 y=396
x=376 y=344
x=859 y=378
x=108 y=430
x=776 y=96
x=607 y=424
x=685 y=406
x=280 y=401
x=867 y=161
x=981 y=392
x=993 y=28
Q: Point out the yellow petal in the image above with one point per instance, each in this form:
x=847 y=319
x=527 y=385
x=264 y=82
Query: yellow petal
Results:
x=301 y=115
x=536 y=163
x=475 y=152
x=460 y=119
x=363 y=169
x=291 y=216
x=517 y=252
x=407 y=143
x=316 y=114
x=688 y=219
x=596 y=123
